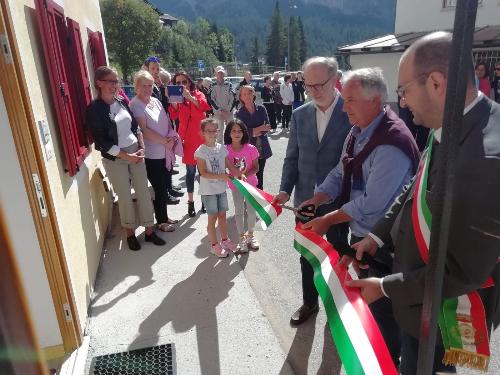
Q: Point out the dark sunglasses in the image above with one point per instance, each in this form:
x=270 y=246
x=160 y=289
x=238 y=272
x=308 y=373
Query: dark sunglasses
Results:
x=183 y=82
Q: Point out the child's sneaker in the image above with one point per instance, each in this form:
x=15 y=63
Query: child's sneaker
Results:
x=252 y=243
x=242 y=245
x=218 y=251
x=229 y=245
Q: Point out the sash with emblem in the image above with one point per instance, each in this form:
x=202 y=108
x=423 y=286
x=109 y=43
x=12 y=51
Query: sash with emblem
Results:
x=462 y=320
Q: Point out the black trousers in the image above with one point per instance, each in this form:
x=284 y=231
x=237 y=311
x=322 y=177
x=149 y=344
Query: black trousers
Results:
x=277 y=111
x=160 y=179
x=287 y=114
x=270 y=113
x=260 y=174
x=409 y=357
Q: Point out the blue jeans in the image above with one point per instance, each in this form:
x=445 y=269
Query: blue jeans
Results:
x=190 y=174
x=215 y=203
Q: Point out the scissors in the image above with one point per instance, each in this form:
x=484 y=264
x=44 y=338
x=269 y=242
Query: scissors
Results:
x=308 y=212
x=305 y=213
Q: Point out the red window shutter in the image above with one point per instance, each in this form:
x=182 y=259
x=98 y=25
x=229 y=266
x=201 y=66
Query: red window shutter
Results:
x=54 y=37
x=82 y=95
x=97 y=48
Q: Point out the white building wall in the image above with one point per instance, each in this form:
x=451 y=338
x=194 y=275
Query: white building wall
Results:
x=387 y=61
x=81 y=204
x=21 y=228
x=429 y=15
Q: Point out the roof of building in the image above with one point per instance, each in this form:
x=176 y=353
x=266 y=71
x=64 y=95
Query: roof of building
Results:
x=168 y=17
x=484 y=37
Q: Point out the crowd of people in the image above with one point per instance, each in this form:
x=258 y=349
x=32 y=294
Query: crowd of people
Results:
x=349 y=155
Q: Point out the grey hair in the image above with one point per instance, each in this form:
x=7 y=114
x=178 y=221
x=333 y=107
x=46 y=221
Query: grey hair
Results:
x=329 y=62
x=165 y=76
x=371 y=80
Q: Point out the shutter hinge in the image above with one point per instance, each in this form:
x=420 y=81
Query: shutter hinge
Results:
x=7 y=53
x=62 y=89
x=67 y=313
x=39 y=195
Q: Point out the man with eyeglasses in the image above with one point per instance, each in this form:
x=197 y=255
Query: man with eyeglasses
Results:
x=317 y=132
x=474 y=239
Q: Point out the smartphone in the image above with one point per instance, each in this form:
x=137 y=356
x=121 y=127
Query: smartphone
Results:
x=174 y=93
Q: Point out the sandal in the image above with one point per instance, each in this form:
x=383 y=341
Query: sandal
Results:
x=172 y=221
x=165 y=227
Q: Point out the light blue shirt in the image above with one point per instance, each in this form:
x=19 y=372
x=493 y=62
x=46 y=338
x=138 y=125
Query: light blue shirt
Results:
x=385 y=171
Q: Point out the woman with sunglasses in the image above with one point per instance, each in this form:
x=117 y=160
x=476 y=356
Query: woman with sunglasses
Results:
x=189 y=113
x=119 y=139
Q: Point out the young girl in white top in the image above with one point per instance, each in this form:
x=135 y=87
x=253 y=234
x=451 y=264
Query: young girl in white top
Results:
x=212 y=161
x=244 y=157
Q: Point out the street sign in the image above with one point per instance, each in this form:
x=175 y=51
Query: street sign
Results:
x=201 y=65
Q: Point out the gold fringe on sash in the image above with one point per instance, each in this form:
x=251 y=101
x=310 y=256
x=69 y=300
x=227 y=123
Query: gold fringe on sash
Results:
x=459 y=357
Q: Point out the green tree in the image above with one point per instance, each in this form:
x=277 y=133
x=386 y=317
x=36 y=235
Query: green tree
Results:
x=254 y=58
x=302 y=41
x=275 y=38
x=132 y=29
x=294 y=58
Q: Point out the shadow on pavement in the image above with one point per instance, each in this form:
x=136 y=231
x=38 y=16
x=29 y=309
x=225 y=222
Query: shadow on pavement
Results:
x=200 y=294
x=119 y=262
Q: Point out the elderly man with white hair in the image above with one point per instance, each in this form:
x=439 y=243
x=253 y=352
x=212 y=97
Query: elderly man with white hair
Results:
x=222 y=98
x=379 y=158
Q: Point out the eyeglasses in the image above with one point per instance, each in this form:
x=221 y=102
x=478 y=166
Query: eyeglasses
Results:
x=183 y=82
x=497 y=69
x=112 y=81
x=317 y=86
x=402 y=88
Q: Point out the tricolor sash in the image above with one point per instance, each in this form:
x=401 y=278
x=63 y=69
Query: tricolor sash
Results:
x=462 y=320
x=355 y=332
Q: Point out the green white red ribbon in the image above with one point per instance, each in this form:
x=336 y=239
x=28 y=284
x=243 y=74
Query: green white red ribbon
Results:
x=462 y=320
x=359 y=342
x=260 y=201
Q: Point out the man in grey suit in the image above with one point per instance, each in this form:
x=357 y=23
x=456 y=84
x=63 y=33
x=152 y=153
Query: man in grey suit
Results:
x=317 y=133
x=474 y=243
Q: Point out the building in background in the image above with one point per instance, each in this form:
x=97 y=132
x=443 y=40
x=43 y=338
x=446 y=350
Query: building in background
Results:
x=415 y=19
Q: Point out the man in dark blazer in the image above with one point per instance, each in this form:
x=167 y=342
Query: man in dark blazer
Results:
x=317 y=132
x=474 y=243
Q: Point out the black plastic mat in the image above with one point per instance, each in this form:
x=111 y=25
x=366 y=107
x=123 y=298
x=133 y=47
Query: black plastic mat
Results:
x=156 y=360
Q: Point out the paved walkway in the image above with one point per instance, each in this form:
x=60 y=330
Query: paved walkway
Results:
x=180 y=294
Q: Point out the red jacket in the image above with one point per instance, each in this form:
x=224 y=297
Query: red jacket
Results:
x=189 y=124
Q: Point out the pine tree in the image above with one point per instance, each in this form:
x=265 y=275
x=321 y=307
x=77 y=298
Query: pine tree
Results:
x=274 y=39
x=302 y=41
x=254 y=59
x=294 y=58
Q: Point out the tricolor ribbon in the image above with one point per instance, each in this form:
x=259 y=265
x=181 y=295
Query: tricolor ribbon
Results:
x=260 y=201
x=355 y=332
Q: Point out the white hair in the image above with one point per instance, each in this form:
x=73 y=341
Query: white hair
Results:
x=329 y=62
x=371 y=80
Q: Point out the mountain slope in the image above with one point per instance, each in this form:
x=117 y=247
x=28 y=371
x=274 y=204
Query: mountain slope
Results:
x=327 y=23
